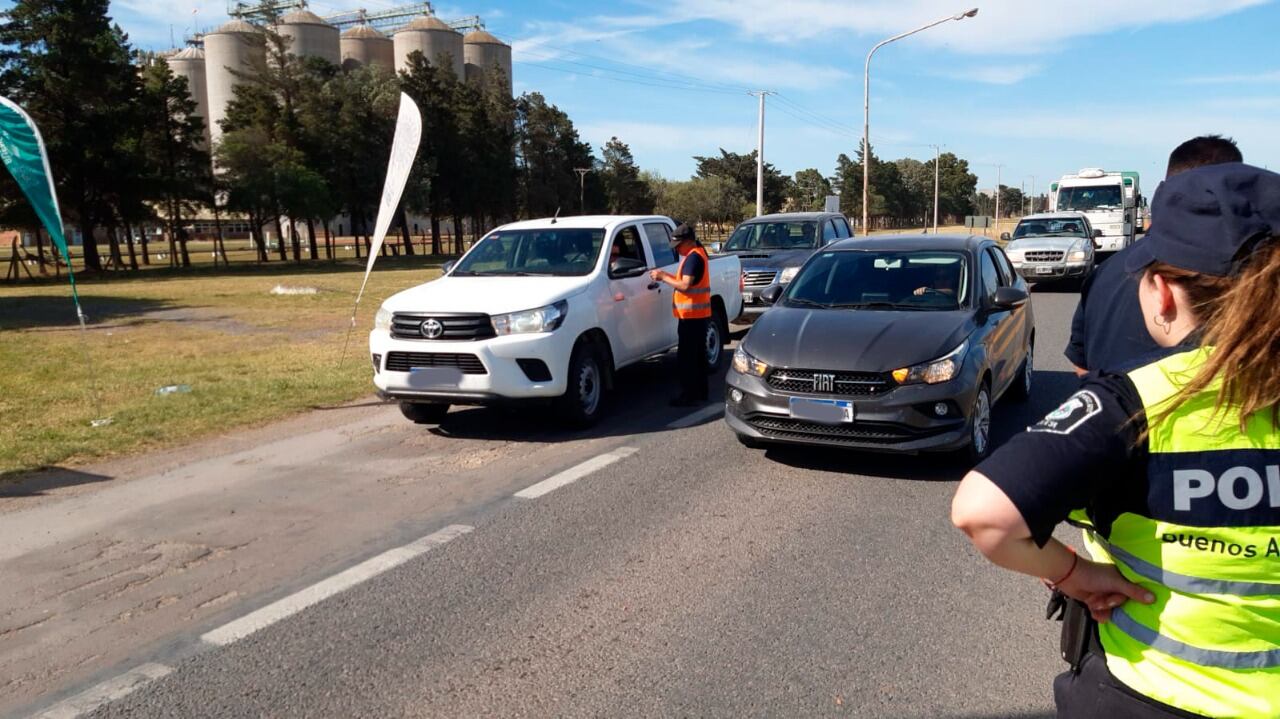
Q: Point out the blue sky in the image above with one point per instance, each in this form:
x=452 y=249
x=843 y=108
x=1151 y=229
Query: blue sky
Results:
x=1043 y=88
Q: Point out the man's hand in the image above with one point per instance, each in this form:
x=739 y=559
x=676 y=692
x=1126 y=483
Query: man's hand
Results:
x=656 y=274
x=1102 y=588
x=920 y=291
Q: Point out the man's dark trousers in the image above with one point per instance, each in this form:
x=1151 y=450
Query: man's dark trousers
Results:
x=691 y=356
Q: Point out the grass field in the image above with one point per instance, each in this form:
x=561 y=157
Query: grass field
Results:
x=248 y=355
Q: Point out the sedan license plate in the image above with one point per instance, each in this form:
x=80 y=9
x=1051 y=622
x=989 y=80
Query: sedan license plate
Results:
x=434 y=377
x=1044 y=270
x=825 y=411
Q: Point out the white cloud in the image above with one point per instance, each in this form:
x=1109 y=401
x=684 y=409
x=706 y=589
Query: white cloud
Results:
x=1244 y=78
x=1001 y=26
x=1010 y=74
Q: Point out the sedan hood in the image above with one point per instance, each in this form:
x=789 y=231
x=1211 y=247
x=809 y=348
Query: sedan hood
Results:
x=1037 y=244
x=855 y=340
x=490 y=295
x=773 y=259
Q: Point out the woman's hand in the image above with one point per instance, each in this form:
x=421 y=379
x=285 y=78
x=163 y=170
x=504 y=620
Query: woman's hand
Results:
x=1102 y=588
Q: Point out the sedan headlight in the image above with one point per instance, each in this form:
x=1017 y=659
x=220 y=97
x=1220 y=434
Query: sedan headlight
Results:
x=943 y=369
x=744 y=363
x=1077 y=253
x=382 y=320
x=788 y=275
x=542 y=319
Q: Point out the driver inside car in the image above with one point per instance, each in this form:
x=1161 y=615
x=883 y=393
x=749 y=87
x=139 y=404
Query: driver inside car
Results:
x=944 y=282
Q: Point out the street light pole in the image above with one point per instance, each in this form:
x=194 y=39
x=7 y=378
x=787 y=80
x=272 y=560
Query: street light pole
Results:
x=760 y=155
x=866 y=106
x=582 y=185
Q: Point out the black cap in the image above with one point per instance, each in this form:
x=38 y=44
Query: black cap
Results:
x=683 y=232
x=1204 y=220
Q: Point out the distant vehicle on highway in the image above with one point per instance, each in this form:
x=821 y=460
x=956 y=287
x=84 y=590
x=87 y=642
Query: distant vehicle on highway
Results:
x=1052 y=246
x=543 y=309
x=773 y=247
x=900 y=343
x=1111 y=201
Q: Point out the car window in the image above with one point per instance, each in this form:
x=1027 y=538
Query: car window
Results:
x=842 y=227
x=990 y=277
x=626 y=243
x=773 y=236
x=658 y=235
x=1002 y=266
x=882 y=279
x=561 y=252
x=828 y=232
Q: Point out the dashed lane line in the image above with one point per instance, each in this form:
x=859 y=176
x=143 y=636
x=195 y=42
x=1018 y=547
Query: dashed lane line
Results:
x=575 y=473
x=294 y=603
x=703 y=414
x=112 y=689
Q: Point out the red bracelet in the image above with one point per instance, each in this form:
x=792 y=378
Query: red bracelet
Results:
x=1075 y=560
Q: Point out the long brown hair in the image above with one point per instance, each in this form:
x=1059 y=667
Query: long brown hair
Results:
x=1240 y=319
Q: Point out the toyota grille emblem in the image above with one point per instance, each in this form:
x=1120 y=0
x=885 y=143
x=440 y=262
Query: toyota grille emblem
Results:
x=431 y=329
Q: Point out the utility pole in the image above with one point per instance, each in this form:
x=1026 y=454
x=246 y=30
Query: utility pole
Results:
x=760 y=154
x=998 y=169
x=937 y=150
x=1022 y=189
x=582 y=195
x=1033 y=194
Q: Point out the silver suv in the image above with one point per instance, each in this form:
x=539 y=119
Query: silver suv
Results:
x=1052 y=246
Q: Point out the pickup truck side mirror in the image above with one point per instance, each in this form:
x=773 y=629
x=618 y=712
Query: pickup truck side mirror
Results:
x=771 y=294
x=715 y=248
x=447 y=267
x=1097 y=234
x=1005 y=236
x=1008 y=298
x=626 y=267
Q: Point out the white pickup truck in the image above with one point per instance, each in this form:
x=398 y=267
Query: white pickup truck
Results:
x=541 y=309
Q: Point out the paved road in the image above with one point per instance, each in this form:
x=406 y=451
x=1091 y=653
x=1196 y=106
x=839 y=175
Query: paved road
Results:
x=661 y=583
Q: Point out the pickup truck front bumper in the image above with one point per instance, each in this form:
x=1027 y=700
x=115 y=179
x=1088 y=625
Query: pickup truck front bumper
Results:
x=480 y=372
x=1046 y=271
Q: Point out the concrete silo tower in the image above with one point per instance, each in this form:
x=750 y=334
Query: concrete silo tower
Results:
x=309 y=36
x=433 y=38
x=235 y=47
x=189 y=63
x=482 y=52
x=362 y=45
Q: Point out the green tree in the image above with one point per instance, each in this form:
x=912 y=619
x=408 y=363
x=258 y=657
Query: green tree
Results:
x=627 y=193
x=741 y=169
x=69 y=66
x=548 y=150
x=177 y=163
x=809 y=191
x=957 y=185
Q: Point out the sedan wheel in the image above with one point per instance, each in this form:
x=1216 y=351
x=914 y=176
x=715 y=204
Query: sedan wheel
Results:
x=980 y=432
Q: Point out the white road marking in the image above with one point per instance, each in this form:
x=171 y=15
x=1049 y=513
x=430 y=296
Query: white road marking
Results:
x=294 y=603
x=705 y=413
x=575 y=473
x=108 y=691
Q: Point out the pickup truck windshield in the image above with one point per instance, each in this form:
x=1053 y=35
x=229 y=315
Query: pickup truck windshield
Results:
x=773 y=236
x=881 y=279
x=1083 y=199
x=553 y=252
x=1054 y=228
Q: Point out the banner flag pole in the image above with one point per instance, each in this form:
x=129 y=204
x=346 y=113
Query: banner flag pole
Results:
x=404 y=148
x=23 y=151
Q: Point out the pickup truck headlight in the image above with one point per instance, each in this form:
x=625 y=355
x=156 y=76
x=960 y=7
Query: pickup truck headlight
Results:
x=788 y=275
x=542 y=319
x=1077 y=253
x=943 y=369
x=382 y=320
x=744 y=363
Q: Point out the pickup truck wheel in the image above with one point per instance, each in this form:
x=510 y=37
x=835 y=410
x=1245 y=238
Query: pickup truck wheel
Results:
x=717 y=331
x=424 y=413
x=583 y=400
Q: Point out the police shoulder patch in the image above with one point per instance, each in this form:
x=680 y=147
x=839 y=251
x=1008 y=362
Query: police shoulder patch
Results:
x=1073 y=413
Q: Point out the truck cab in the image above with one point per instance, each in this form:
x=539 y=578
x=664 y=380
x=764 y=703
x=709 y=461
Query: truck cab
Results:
x=1111 y=201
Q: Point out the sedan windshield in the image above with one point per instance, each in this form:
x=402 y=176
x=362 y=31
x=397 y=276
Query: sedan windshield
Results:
x=552 y=253
x=1053 y=228
x=773 y=236
x=1089 y=198
x=882 y=279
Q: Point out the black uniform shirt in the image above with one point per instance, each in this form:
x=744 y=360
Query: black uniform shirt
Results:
x=1086 y=447
x=1108 y=330
x=693 y=268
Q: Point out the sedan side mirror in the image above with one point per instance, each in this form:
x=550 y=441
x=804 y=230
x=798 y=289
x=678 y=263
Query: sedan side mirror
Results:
x=446 y=267
x=1008 y=298
x=771 y=294
x=626 y=267
x=1097 y=234
x=1005 y=236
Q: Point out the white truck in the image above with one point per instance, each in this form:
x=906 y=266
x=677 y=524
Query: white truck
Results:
x=1111 y=201
x=543 y=309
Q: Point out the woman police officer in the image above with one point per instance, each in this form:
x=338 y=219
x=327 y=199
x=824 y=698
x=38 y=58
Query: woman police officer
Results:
x=1177 y=462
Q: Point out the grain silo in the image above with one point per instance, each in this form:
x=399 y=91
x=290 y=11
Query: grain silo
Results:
x=483 y=51
x=309 y=36
x=433 y=38
x=362 y=45
x=189 y=63
x=235 y=47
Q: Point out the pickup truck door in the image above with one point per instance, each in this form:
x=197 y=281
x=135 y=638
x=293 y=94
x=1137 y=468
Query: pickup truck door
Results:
x=657 y=240
x=635 y=314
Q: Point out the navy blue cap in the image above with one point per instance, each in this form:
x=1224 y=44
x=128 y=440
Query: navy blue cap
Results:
x=1204 y=220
